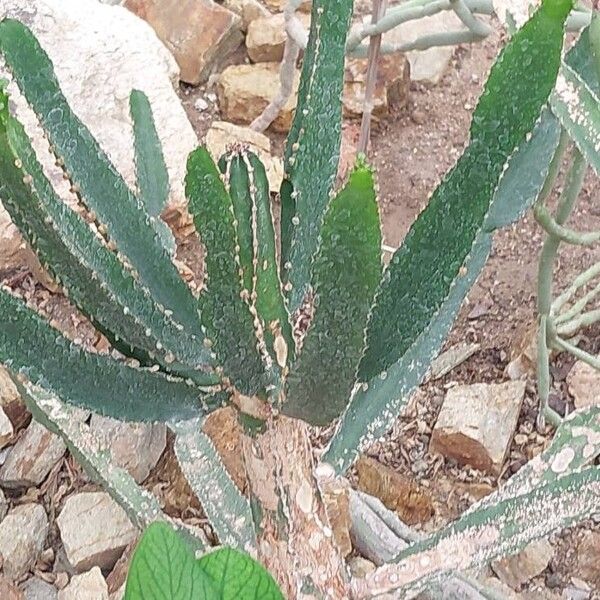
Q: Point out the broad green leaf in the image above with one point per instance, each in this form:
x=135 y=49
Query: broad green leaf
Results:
x=163 y=567
x=151 y=171
x=578 y=109
x=312 y=150
x=225 y=506
x=103 y=189
x=30 y=346
x=447 y=246
x=346 y=272
x=96 y=280
x=239 y=577
x=225 y=314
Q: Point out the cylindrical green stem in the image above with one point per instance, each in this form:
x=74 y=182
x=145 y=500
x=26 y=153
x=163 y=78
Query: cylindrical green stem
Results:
x=547 y=328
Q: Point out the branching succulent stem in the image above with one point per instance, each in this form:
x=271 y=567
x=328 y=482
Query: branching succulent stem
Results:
x=547 y=332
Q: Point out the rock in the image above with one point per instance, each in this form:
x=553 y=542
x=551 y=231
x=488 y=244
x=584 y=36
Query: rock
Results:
x=428 y=65
x=223 y=429
x=360 y=567
x=221 y=134
x=3 y=505
x=199 y=33
x=588 y=558
x=94 y=530
x=135 y=447
x=11 y=402
x=118 y=576
x=38 y=589
x=6 y=429
x=279 y=5
x=518 y=569
x=266 y=37
x=90 y=585
x=411 y=502
x=100 y=53
x=119 y=594
x=584 y=384
x=245 y=90
x=391 y=88
x=348 y=149
x=32 y=457
x=8 y=591
x=201 y=105
x=22 y=535
x=523 y=354
x=477 y=422
x=572 y=592
x=248 y=10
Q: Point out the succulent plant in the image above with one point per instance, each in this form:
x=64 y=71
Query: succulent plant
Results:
x=292 y=336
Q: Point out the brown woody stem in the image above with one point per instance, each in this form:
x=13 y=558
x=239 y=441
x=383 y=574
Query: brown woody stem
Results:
x=294 y=539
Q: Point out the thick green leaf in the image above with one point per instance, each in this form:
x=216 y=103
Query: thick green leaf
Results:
x=29 y=345
x=249 y=191
x=448 y=244
x=494 y=530
x=581 y=59
x=225 y=314
x=163 y=567
x=96 y=281
x=269 y=301
x=239 y=577
x=103 y=189
x=578 y=109
x=141 y=506
x=151 y=171
x=225 y=506
x=312 y=151
x=346 y=272
x=236 y=177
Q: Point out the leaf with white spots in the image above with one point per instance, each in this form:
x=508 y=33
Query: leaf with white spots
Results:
x=494 y=528
x=346 y=272
x=141 y=506
x=578 y=109
x=313 y=145
x=102 y=188
x=29 y=345
x=225 y=506
x=443 y=253
x=225 y=309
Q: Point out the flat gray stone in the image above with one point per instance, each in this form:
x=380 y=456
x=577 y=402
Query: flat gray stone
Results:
x=38 y=589
x=94 y=530
x=88 y=586
x=22 y=535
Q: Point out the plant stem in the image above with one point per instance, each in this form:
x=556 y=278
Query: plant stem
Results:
x=379 y=8
x=546 y=331
x=294 y=539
